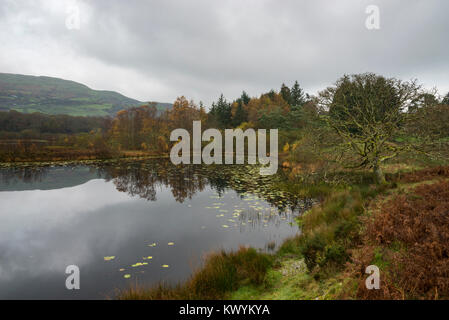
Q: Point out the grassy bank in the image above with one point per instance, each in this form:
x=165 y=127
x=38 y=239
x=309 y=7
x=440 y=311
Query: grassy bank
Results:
x=354 y=226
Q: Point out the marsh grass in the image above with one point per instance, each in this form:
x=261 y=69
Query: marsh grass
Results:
x=221 y=273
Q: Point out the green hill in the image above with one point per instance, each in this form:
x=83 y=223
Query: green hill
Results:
x=48 y=95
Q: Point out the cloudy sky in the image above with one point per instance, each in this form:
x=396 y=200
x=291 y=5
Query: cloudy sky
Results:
x=158 y=50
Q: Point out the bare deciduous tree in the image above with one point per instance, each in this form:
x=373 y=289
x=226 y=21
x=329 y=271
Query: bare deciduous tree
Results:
x=367 y=111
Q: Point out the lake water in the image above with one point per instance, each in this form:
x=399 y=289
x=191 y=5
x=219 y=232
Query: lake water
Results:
x=124 y=223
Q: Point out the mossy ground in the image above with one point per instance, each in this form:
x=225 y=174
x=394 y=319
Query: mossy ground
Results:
x=291 y=281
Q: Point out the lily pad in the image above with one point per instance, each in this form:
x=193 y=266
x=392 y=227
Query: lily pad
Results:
x=139 y=264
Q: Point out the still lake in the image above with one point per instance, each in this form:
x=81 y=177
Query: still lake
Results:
x=124 y=223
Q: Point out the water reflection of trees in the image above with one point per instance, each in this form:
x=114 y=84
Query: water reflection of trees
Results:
x=144 y=178
x=135 y=178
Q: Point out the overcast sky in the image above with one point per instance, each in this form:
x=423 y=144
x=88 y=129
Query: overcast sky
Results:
x=158 y=50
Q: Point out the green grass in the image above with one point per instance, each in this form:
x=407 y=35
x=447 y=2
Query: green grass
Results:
x=306 y=190
x=290 y=281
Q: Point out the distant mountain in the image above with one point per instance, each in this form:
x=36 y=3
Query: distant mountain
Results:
x=48 y=95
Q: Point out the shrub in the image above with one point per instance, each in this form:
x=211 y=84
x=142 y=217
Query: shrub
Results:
x=330 y=229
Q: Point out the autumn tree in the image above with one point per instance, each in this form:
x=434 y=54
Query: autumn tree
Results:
x=269 y=103
x=121 y=129
x=367 y=111
x=183 y=113
x=137 y=128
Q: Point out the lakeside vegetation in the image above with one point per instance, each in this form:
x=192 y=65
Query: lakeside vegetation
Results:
x=353 y=227
x=373 y=150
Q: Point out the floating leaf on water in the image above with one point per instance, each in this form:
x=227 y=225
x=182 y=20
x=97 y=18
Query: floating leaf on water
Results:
x=165 y=266
x=127 y=276
x=109 y=258
x=139 y=264
x=121 y=269
x=147 y=258
x=152 y=244
x=225 y=226
x=171 y=243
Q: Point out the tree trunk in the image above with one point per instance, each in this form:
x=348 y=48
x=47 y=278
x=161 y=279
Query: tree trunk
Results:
x=378 y=174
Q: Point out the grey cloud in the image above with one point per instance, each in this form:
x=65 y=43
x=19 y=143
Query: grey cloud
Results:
x=202 y=48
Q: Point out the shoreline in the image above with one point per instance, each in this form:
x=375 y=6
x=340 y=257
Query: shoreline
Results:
x=46 y=163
